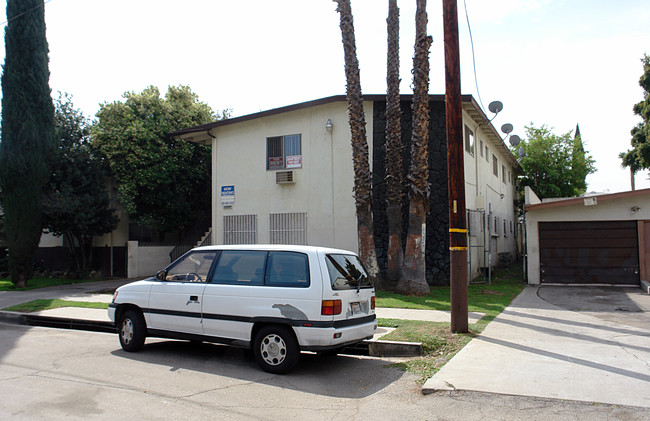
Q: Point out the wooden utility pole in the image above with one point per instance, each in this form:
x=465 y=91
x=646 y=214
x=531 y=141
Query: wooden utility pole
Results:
x=456 y=172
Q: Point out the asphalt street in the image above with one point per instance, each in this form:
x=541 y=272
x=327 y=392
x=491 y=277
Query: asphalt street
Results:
x=65 y=374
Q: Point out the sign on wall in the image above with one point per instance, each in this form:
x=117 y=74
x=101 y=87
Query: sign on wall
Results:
x=294 y=161
x=227 y=195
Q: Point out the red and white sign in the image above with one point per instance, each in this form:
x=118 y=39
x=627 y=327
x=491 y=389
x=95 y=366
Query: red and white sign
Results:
x=294 y=161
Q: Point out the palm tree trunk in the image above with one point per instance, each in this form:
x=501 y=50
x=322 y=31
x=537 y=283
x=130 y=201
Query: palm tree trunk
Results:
x=394 y=168
x=362 y=175
x=413 y=279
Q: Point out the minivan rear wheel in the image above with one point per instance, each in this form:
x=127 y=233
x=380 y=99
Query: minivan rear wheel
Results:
x=276 y=349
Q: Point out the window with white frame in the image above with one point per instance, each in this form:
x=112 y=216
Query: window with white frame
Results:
x=495 y=165
x=240 y=229
x=481 y=143
x=284 y=152
x=469 y=140
x=487 y=153
x=288 y=228
x=503 y=173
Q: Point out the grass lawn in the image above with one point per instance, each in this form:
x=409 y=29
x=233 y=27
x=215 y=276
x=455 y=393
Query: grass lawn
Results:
x=38 y=305
x=438 y=343
x=7 y=285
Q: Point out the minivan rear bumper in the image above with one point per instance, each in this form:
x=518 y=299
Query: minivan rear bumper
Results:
x=342 y=334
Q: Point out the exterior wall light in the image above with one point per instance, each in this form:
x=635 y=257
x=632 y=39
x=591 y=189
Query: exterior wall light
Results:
x=329 y=126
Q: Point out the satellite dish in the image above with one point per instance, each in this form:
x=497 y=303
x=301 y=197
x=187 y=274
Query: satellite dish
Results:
x=514 y=140
x=506 y=128
x=521 y=152
x=495 y=107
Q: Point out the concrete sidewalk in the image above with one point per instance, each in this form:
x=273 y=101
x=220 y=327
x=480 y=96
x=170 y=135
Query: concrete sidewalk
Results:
x=535 y=348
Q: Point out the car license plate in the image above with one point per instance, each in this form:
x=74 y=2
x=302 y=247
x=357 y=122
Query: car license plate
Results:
x=356 y=307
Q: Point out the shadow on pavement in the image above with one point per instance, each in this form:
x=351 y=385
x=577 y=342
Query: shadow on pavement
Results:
x=342 y=376
x=572 y=359
x=624 y=305
x=572 y=323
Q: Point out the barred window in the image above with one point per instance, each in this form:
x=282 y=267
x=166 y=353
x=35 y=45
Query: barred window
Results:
x=288 y=228
x=240 y=229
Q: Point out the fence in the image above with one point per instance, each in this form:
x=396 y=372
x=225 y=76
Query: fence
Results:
x=146 y=259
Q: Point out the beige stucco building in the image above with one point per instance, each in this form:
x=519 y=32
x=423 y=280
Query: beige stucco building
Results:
x=285 y=176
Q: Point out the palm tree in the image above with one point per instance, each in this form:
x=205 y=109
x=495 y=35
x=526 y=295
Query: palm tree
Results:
x=356 y=115
x=394 y=178
x=413 y=281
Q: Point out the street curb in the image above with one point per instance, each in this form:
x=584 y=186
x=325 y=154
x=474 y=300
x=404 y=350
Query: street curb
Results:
x=375 y=348
x=394 y=349
x=57 y=322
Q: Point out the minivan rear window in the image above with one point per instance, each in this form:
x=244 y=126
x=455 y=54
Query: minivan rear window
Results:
x=347 y=272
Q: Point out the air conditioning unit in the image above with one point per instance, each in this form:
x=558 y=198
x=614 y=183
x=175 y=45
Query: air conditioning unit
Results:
x=284 y=177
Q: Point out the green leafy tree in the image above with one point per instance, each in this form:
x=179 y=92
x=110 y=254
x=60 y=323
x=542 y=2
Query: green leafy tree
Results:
x=3 y=244
x=163 y=183
x=76 y=205
x=28 y=145
x=639 y=156
x=555 y=166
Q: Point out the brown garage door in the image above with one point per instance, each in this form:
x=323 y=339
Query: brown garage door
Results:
x=597 y=252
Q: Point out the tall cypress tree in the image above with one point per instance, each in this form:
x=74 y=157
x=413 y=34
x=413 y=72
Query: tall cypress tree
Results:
x=27 y=149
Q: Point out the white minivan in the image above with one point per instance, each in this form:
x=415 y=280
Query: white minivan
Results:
x=277 y=300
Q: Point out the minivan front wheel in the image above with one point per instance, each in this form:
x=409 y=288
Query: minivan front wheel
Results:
x=132 y=330
x=276 y=349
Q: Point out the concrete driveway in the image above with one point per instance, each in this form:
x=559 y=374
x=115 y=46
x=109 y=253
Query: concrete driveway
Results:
x=587 y=344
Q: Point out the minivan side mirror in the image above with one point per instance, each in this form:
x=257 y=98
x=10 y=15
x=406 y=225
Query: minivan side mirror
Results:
x=161 y=275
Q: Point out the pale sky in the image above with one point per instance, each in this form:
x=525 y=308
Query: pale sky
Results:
x=553 y=62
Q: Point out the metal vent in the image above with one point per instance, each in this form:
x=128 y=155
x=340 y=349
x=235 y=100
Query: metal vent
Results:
x=284 y=177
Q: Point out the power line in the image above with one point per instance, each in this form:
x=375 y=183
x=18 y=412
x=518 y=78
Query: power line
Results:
x=25 y=12
x=469 y=28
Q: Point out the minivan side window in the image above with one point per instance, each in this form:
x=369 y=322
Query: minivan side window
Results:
x=240 y=267
x=287 y=269
x=192 y=267
x=347 y=272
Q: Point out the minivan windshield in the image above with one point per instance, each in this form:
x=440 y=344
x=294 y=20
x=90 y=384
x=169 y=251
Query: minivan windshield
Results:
x=347 y=272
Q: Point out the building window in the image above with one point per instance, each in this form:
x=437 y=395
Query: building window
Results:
x=240 y=229
x=487 y=153
x=469 y=140
x=481 y=142
x=288 y=228
x=283 y=152
x=494 y=231
x=495 y=165
x=505 y=231
x=503 y=173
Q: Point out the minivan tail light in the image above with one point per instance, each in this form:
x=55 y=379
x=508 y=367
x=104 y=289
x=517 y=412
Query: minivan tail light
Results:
x=331 y=307
x=372 y=303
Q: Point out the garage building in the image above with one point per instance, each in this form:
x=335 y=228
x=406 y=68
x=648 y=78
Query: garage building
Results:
x=593 y=240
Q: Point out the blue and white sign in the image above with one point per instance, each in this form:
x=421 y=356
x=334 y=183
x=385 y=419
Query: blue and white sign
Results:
x=227 y=195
